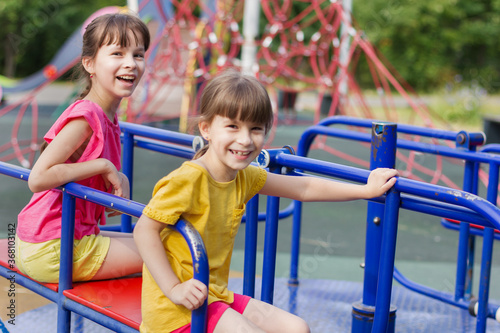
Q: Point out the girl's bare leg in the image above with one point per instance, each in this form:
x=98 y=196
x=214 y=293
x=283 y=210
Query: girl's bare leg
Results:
x=260 y=317
x=122 y=259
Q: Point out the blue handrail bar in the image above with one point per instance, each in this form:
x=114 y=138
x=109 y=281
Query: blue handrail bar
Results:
x=158 y=133
x=402 y=128
x=313 y=131
x=410 y=202
x=66 y=306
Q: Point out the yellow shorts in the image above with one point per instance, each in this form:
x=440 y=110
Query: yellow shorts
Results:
x=40 y=261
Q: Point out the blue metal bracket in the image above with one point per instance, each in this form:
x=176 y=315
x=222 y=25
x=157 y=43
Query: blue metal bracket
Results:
x=267 y=157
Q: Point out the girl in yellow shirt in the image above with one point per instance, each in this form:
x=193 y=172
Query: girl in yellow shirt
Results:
x=211 y=192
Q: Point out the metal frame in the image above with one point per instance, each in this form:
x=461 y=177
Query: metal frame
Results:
x=466 y=143
x=406 y=194
x=466 y=149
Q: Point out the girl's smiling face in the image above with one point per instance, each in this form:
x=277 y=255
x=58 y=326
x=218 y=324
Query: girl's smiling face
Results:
x=233 y=145
x=116 y=71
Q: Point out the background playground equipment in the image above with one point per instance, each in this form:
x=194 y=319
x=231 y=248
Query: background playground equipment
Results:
x=375 y=312
x=316 y=51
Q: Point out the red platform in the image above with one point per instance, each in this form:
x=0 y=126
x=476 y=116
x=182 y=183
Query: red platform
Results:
x=119 y=299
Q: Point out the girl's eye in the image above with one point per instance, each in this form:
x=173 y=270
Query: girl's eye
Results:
x=258 y=128
x=139 y=55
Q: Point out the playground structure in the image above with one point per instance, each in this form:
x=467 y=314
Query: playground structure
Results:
x=375 y=312
x=315 y=51
x=186 y=51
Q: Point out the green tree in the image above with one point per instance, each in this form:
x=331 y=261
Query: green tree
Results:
x=34 y=30
x=432 y=42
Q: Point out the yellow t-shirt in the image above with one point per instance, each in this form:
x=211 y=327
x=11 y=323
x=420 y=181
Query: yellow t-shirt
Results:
x=215 y=209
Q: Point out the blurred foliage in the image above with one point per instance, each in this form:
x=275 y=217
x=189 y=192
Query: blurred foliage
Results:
x=430 y=42
x=34 y=30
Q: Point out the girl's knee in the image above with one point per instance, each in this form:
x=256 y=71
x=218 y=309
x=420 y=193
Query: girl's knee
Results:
x=299 y=325
x=304 y=327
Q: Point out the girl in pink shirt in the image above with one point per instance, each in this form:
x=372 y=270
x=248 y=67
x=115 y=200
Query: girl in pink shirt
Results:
x=83 y=146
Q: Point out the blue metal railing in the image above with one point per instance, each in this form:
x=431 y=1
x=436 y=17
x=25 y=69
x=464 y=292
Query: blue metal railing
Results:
x=272 y=214
x=65 y=305
x=466 y=144
x=426 y=198
x=431 y=199
x=407 y=194
x=165 y=142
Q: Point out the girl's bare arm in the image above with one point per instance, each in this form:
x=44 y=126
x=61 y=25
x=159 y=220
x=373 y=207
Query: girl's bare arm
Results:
x=50 y=170
x=318 y=189
x=191 y=293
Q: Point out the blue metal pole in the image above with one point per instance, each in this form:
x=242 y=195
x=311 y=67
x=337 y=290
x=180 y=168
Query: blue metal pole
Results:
x=295 y=249
x=462 y=280
x=66 y=264
x=383 y=155
x=270 y=247
x=485 y=277
x=251 y=229
x=466 y=244
x=128 y=170
x=381 y=322
x=487 y=254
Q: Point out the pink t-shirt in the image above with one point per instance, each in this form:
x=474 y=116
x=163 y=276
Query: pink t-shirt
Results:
x=40 y=220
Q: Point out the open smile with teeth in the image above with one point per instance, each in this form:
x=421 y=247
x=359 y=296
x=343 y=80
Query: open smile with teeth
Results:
x=128 y=78
x=240 y=153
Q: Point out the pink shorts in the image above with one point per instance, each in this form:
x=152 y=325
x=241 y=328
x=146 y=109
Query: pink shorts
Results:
x=215 y=311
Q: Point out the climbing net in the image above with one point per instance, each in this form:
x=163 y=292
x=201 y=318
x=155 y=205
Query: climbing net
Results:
x=302 y=46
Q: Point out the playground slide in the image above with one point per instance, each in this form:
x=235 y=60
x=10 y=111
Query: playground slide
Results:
x=69 y=54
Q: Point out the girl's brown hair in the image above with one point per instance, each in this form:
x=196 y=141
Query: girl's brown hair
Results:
x=235 y=96
x=106 y=30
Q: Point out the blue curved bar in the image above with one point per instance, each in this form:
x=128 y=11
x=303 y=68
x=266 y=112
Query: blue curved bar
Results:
x=71 y=191
x=310 y=134
x=193 y=238
x=200 y=269
x=439 y=295
x=402 y=128
x=491 y=148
